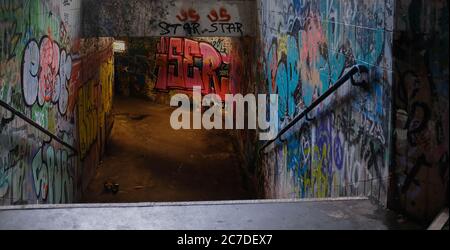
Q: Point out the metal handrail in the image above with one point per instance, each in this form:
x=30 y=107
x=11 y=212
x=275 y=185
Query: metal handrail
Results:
x=39 y=127
x=347 y=76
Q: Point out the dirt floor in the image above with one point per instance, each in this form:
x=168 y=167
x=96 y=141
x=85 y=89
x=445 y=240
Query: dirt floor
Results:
x=154 y=163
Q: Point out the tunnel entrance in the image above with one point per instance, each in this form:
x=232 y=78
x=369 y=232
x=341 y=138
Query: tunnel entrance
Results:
x=145 y=159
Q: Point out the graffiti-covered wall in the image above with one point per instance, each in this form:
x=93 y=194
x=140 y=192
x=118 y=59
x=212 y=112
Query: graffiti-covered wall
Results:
x=306 y=45
x=157 y=68
x=37 y=53
x=135 y=67
x=40 y=76
x=421 y=107
x=94 y=103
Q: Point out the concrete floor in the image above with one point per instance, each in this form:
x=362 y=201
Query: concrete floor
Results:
x=154 y=163
x=352 y=213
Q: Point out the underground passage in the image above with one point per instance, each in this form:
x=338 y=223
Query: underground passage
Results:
x=233 y=114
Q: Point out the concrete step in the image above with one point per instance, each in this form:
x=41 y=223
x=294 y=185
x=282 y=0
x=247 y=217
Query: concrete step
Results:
x=347 y=213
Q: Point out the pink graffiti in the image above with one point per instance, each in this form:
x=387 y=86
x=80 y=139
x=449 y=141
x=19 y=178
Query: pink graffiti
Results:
x=46 y=71
x=312 y=38
x=184 y=63
x=48 y=76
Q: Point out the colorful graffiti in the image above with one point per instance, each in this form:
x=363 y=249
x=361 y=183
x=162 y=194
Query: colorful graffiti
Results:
x=36 y=49
x=88 y=124
x=138 y=68
x=46 y=72
x=184 y=63
x=94 y=106
x=13 y=160
x=41 y=71
x=107 y=85
x=25 y=166
x=53 y=175
x=343 y=151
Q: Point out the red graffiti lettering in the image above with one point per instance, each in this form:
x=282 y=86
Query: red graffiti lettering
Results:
x=190 y=15
x=176 y=78
x=184 y=63
x=49 y=69
x=222 y=16
x=192 y=72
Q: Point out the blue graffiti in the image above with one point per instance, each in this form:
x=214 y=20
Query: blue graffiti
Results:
x=338 y=153
x=293 y=154
x=282 y=86
x=293 y=63
x=324 y=145
x=297 y=5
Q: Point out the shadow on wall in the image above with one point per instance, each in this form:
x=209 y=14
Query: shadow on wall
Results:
x=421 y=106
x=134 y=67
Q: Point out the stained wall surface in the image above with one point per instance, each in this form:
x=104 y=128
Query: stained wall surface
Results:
x=194 y=18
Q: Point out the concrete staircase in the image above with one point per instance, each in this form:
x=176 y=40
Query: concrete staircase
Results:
x=322 y=214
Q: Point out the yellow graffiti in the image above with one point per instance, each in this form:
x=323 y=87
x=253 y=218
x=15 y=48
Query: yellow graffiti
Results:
x=282 y=45
x=87 y=116
x=94 y=104
x=106 y=81
x=319 y=177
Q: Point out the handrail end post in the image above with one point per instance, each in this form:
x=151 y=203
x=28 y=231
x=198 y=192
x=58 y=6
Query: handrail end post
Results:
x=363 y=76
